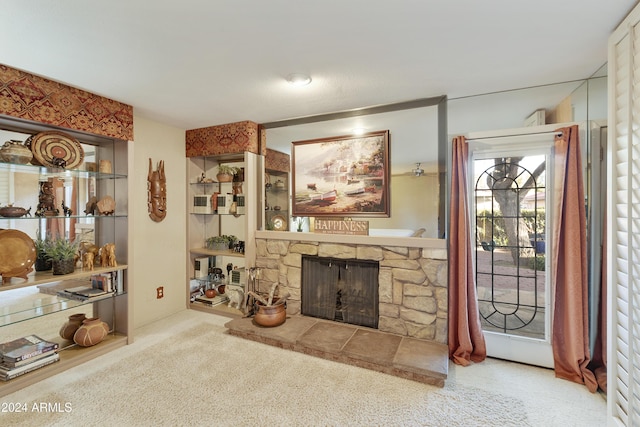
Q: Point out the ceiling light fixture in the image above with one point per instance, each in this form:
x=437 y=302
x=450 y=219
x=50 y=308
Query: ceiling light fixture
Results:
x=298 y=79
x=418 y=171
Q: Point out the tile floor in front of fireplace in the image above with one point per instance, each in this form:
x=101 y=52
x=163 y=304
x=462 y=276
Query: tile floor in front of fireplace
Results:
x=405 y=357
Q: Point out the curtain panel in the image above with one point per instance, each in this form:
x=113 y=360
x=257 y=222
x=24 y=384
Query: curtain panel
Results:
x=570 y=324
x=466 y=341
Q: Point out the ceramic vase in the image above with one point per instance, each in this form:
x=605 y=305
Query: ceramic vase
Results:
x=269 y=316
x=15 y=152
x=70 y=327
x=92 y=331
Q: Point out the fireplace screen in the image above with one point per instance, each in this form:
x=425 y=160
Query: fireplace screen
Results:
x=340 y=290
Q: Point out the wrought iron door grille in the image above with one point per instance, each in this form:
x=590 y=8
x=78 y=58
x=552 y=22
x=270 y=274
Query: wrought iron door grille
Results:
x=510 y=248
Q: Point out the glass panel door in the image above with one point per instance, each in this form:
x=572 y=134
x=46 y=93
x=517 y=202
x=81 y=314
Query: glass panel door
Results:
x=510 y=212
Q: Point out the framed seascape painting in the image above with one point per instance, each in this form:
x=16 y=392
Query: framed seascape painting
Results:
x=341 y=176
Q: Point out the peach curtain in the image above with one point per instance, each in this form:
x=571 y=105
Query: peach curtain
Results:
x=599 y=362
x=570 y=337
x=466 y=341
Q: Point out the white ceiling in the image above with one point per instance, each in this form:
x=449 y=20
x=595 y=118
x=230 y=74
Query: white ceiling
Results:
x=198 y=63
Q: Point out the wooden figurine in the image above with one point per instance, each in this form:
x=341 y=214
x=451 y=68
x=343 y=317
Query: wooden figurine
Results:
x=87 y=261
x=157 y=192
x=108 y=255
x=91 y=206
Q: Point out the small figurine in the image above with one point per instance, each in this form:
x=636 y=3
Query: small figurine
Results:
x=67 y=211
x=59 y=162
x=87 y=261
x=91 y=206
x=236 y=297
x=46 y=199
x=108 y=255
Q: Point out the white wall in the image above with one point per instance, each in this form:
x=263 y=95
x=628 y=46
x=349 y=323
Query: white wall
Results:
x=158 y=257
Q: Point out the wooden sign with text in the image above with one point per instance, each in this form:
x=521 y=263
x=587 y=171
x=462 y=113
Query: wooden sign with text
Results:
x=332 y=226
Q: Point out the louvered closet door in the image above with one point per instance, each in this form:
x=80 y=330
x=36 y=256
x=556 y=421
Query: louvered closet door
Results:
x=623 y=210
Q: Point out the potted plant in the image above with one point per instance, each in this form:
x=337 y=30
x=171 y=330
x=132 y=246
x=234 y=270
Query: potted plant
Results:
x=221 y=243
x=43 y=262
x=299 y=223
x=226 y=173
x=62 y=253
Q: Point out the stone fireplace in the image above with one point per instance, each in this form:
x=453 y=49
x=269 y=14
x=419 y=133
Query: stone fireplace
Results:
x=411 y=278
x=340 y=290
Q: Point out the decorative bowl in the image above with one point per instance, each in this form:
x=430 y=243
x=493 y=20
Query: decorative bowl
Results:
x=13 y=211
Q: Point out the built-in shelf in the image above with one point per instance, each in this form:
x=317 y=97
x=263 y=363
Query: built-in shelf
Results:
x=46 y=304
x=69 y=358
x=212 y=252
x=61 y=173
x=42 y=277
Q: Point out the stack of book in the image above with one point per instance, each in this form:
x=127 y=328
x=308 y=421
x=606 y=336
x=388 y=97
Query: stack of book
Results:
x=101 y=284
x=24 y=355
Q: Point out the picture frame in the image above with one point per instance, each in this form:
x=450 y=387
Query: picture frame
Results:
x=341 y=176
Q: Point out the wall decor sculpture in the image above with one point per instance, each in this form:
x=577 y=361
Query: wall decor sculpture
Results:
x=157 y=192
x=342 y=176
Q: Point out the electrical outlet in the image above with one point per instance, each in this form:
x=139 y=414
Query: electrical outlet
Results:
x=160 y=292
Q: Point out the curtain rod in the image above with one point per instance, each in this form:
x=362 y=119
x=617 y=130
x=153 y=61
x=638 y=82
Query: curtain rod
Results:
x=555 y=133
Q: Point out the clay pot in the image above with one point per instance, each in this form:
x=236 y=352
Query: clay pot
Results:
x=210 y=293
x=221 y=289
x=70 y=327
x=92 y=331
x=224 y=177
x=15 y=151
x=269 y=316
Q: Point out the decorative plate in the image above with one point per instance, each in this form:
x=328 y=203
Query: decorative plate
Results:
x=279 y=223
x=51 y=146
x=17 y=254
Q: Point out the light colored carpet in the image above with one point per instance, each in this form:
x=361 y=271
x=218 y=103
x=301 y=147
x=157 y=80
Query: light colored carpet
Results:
x=185 y=370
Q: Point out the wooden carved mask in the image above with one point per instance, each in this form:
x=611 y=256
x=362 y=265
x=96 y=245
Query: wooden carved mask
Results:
x=157 y=192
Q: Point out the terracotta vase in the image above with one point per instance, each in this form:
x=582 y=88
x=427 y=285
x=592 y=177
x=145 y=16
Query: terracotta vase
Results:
x=70 y=327
x=92 y=331
x=210 y=293
x=269 y=316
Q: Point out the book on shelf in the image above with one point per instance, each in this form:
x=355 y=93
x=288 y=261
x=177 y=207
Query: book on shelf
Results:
x=101 y=284
x=8 y=374
x=25 y=348
x=104 y=281
x=10 y=365
x=81 y=293
x=217 y=300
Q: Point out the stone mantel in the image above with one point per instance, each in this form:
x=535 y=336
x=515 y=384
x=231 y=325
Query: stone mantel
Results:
x=413 y=289
x=437 y=248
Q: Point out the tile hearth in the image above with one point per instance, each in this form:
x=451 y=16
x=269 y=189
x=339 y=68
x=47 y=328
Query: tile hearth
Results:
x=401 y=356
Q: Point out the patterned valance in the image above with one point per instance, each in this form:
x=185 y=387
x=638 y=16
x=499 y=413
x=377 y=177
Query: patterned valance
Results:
x=276 y=160
x=231 y=138
x=37 y=99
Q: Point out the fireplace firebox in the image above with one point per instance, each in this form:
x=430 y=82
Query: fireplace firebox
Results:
x=343 y=290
